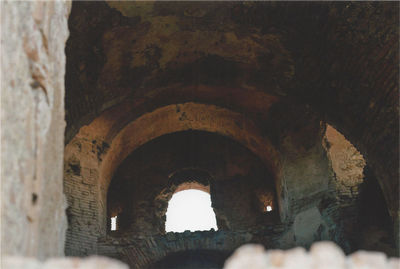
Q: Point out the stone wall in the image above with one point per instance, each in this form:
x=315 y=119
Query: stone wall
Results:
x=347 y=163
x=92 y=157
x=142 y=185
x=145 y=251
x=361 y=205
x=305 y=177
x=334 y=62
x=32 y=117
x=81 y=186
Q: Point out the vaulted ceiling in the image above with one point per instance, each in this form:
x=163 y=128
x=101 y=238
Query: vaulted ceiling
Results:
x=234 y=64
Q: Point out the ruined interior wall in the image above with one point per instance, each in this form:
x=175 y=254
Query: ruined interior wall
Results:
x=33 y=38
x=347 y=163
x=141 y=187
x=90 y=159
x=81 y=187
x=307 y=178
x=348 y=166
x=119 y=57
x=362 y=207
x=85 y=201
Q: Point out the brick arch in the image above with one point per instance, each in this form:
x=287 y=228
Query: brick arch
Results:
x=333 y=62
x=188 y=116
x=181 y=117
x=91 y=162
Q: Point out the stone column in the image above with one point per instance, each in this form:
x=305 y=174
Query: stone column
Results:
x=33 y=36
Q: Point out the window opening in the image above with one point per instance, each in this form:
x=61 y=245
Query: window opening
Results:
x=190 y=210
x=114 y=223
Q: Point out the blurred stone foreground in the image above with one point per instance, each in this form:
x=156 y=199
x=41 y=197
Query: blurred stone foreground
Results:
x=322 y=255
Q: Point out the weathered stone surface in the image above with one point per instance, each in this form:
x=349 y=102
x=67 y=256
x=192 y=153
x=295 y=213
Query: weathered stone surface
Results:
x=308 y=225
x=357 y=196
x=92 y=262
x=394 y=263
x=140 y=251
x=327 y=255
x=347 y=163
x=248 y=256
x=322 y=255
x=364 y=259
x=32 y=126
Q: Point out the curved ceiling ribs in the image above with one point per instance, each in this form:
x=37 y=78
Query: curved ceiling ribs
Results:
x=183 y=117
x=105 y=143
x=140 y=70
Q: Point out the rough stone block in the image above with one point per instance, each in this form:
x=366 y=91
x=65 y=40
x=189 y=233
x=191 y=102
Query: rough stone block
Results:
x=248 y=256
x=92 y=262
x=322 y=255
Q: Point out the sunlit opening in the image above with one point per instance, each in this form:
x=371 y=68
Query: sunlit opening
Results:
x=190 y=210
x=269 y=208
x=114 y=223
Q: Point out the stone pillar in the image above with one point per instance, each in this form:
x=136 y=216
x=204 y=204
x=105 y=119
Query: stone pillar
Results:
x=33 y=36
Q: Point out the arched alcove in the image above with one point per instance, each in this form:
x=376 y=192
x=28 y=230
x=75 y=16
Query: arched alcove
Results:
x=143 y=185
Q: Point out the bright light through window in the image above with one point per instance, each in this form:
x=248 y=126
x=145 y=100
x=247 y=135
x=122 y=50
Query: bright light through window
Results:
x=190 y=210
x=114 y=223
x=269 y=208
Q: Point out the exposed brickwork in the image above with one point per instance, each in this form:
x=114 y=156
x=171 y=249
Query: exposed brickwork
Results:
x=81 y=187
x=264 y=74
x=312 y=212
x=341 y=61
x=141 y=252
x=142 y=186
x=348 y=165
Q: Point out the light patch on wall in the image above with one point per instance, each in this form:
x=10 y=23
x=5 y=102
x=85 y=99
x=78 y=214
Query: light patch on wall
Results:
x=114 y=223
x=347 y=162
x=190 y=210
